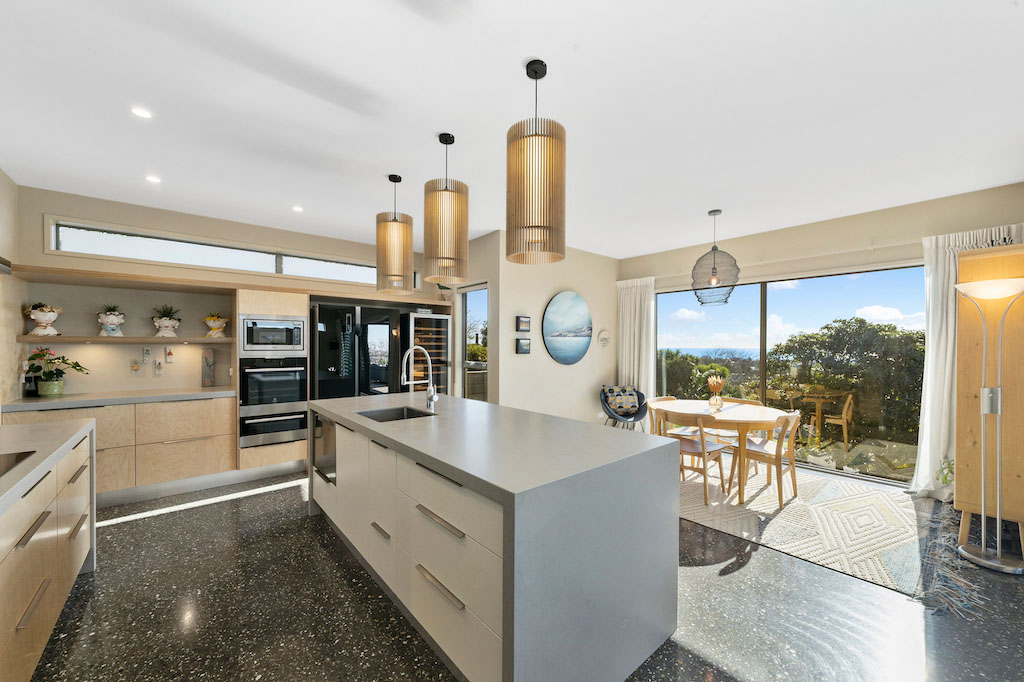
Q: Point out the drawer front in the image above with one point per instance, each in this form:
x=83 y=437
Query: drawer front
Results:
x=72 y=501
x=473 y=514
x=23 y=571
x=326 y=495
x=383 y=464
x=74 y=552
x=159 y=462
x=115 y=469
x=353 y=482
x=265 y=455
x=18 y=661
x=115 y=424
x=69 y=464
x=175 y=420
x=468 y=642
x=17 y=520
x=380 y=552
x=471 y=571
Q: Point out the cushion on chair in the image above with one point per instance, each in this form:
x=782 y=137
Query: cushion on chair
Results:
x=622 y=400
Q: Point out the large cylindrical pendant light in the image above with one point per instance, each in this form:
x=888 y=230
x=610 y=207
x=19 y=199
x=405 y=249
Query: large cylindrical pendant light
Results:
x=445 y=226
x=394 y=248
x=535 y=194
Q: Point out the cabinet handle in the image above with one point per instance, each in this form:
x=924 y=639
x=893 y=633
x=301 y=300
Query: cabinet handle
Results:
x=27 y=537
x=445 y=592
x=344 y=427
x=185 y=440
x=78 y=474
x=41 y=479
x=285 y=417
x=80 y=442
x=383 y=533
x=78 y=527
x=324 y=476
x=27 y=618
x=450 y=480
x=441 y=522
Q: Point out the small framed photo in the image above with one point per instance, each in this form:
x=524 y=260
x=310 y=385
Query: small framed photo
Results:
x=523 y=346
x=522 y=323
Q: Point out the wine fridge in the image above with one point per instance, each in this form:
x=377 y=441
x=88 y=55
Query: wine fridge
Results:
x=432 y=331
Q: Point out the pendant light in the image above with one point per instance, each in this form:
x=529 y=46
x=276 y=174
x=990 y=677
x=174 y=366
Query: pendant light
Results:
x=445 y=225
x=535 y=193
x=716 y=273
x=394 y=248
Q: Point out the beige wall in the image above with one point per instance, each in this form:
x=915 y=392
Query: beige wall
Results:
x=12 y=292
x=888 y=237
x=8 y=218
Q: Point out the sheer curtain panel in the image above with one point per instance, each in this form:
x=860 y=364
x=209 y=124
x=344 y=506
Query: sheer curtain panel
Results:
x=636 y=334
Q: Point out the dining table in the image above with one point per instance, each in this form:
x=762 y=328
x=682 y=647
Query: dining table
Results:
x=743 y=418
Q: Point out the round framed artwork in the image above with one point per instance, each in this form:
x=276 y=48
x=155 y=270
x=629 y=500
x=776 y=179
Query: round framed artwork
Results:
x=567 y=327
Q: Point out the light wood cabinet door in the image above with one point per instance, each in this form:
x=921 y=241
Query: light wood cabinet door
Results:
x=72 y=501
x=68 y=465
x=265 y=455
x=115 y=469
x=181 y=419
x=23 y=571
x=115 y=424
x=24 y=513
x=257 y=302
x=160 y=462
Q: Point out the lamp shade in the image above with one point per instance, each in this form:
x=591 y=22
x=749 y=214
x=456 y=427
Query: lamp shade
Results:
x=993 y=288
x=535 y=192
x=445 y=231
x=715 y=275
x=394 y=253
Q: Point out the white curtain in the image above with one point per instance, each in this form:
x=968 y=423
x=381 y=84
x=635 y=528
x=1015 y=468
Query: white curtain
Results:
x=936 y=439
x=636 y=334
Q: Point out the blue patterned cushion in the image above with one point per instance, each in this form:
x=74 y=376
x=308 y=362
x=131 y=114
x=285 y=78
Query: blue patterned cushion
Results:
x=622 y=400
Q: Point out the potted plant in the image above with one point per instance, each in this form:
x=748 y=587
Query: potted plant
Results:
x=43 y=315
x=110 y=318
x=216 y=322
x=51 y=369
x=166 y=320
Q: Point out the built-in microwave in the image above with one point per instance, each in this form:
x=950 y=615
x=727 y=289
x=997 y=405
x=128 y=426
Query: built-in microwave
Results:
x=272 y=336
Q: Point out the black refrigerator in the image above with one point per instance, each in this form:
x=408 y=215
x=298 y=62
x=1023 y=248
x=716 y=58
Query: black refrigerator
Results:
x=355 y=350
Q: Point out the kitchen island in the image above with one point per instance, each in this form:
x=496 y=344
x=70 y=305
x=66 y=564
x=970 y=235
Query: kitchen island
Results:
x=524 y=547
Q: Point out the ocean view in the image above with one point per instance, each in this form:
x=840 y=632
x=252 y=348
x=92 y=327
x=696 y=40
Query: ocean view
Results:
x=752 y=353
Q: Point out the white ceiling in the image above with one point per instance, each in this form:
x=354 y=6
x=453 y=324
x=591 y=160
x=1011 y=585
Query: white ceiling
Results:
x=779 y=112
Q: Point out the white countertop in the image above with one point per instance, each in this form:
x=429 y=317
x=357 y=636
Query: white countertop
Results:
x=497 y=451
x=153 y=395
x=51 y=441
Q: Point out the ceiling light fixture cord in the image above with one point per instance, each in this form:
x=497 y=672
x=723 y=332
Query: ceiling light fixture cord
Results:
x=714 y=241
x=446 y=166
x=536 y=86
x=394 y=205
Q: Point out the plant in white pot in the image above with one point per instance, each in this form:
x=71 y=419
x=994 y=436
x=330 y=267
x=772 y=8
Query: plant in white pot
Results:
x=110 y=318
x=43 y=315
x=51 y=369
x=216 y=322
x=166 y=320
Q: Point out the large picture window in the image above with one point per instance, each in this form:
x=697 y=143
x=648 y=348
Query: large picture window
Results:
x=846 y=351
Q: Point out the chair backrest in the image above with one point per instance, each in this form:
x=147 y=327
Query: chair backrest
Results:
x=743 y=401
x=665 y=417
x=848 y=408
x=651 y=404
x=787 y=427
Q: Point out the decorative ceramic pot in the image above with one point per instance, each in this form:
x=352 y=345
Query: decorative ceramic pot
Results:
x=216 y=325
x=51 y=388
x=44 y=323
x=165 y=326
x=110 y=323
x=715 y=403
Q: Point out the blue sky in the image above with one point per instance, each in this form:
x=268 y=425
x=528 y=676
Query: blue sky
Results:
x=476 y=308
x=889 y=296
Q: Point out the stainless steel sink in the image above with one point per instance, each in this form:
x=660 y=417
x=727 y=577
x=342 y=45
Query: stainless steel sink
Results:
x=391 y=414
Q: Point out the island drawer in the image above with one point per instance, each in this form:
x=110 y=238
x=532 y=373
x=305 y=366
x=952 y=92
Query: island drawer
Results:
x=471 y=645
x=325 y=494
x=74 y=552
x=20 y=517
x=470 y=512
x=471 y=571
x=380 y=536
x=18 y=661
x=24 y=570
x=72 y=501
x=115 y=424
x=69 y=463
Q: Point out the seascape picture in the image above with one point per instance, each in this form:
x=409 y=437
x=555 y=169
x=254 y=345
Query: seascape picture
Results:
x=567 y=328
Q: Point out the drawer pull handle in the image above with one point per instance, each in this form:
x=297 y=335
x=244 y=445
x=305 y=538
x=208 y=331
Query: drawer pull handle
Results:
x=31 y=610
x=445 y=592
x=27 y=537
x=441 y=522
x=41 y=479
x=439 y=474
x=185 y=440
x=345 y=427
x=380 y=445
x=263 y=420
x=326 y=479
x=383 y=533
x=84 y=438
x=78 y=474
x=78 y=527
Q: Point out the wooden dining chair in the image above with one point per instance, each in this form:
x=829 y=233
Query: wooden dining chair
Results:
x=844 y=419
x=697 y=447
x=774 y=449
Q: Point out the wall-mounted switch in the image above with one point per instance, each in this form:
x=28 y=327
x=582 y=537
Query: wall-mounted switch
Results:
x=145 y=355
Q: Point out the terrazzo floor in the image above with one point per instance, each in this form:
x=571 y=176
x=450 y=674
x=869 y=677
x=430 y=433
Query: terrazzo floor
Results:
x=253 y=589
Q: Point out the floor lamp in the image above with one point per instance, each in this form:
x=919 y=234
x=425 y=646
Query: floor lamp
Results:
x=991 y=403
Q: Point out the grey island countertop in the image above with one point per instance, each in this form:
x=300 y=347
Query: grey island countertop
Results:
x=500 y=451
x=158 y=395
x=47 y=442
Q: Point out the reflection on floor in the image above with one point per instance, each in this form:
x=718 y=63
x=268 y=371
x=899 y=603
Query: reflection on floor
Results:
x=874 y=456
x=251 y=588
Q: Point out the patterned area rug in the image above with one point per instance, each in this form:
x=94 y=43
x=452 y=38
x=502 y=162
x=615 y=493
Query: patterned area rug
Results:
x=871 y=533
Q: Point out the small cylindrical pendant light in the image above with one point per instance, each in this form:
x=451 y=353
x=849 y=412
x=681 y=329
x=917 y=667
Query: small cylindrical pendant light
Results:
x=535 y=195
x=394 y=248
x=445 y=226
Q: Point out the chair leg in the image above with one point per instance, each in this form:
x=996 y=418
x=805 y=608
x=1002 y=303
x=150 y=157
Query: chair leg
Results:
x=705 y=467
x=778 y=470
x=721 y=480
x=846 y=437
x=732 y=471
x=965 y=527
x=792 y=473
x=769 y=473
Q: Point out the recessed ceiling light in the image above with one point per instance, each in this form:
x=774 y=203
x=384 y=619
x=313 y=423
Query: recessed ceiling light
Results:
x=142 y=112
x=153 y=178
x=297 y=209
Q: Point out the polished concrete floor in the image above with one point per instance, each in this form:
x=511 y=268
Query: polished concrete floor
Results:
x=253 y=589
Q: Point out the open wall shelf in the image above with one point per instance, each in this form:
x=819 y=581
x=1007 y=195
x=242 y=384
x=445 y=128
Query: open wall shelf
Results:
x=126 y=340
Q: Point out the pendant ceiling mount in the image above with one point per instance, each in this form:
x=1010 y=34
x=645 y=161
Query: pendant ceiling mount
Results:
x=394 y=247
x=716 y=273
x=445 y=225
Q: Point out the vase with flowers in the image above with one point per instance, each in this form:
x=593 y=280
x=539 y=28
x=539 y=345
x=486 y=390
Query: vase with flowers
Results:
x=216 y=322
x=110 y=320
x=51 y=369
x=715 y=384
x=166 y=319
x=43 y=316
